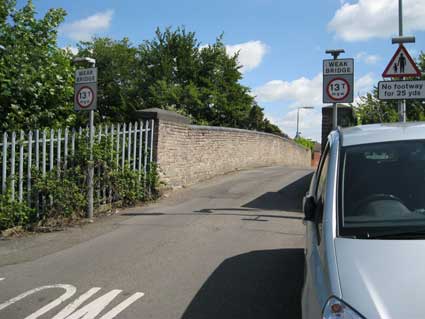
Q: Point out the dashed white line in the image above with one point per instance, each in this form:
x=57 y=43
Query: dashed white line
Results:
x=1 y=279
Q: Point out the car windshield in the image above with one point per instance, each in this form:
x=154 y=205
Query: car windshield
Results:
x=382 y=188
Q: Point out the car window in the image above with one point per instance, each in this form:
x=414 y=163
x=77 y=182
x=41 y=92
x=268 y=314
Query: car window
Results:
x=321 y=192
x=382 y=187
x=323 y=172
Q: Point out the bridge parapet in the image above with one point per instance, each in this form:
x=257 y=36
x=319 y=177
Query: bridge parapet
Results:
x=187 y=153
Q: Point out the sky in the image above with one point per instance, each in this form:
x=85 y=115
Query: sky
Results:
x=281 y=43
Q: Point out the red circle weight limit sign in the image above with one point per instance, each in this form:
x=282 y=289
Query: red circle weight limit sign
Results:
x=85 y=97
x=338 y=89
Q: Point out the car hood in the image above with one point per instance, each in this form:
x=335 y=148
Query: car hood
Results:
x=382 y=278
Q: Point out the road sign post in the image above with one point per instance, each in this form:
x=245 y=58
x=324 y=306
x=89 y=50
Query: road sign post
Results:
x=338 y=82
x=401 y=66
x=399 y=62
x=85 y=99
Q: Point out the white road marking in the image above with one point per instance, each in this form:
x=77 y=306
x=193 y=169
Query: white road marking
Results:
x=74 y=305
x=115 y=311
x=91 y=310
x=69 y=292
x=1 y=279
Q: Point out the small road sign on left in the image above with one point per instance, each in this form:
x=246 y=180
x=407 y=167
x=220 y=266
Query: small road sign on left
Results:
x=85 y=97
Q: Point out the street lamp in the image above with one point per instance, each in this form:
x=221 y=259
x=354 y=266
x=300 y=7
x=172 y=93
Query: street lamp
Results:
x=335 y=53
x=85 y=59
x=297 y=135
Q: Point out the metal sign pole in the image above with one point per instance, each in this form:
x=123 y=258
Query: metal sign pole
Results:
x=91 y=164
x=401 y=103
x=335 y=107
x=86 y=99
x=90 y=182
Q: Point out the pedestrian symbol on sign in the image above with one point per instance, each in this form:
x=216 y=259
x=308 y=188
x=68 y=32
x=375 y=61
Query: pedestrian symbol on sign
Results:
x=401 y=62
x=401 y=65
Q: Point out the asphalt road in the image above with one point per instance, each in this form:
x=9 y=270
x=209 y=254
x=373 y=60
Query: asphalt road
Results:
x=227 y=248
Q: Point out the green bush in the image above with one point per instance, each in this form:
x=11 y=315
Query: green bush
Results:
x=13 y=213
x=62 y=195
x=307 y=143
x=127 y=185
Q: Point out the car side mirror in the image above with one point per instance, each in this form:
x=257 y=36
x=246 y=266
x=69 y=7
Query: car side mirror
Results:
x=309 y=205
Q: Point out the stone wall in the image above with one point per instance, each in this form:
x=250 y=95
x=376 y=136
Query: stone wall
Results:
x=188 y=153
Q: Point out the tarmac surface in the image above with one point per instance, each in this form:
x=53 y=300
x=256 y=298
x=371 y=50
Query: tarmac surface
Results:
x=231 y=247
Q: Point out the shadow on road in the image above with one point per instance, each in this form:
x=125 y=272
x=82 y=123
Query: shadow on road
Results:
x=255 y=216
x=256 y=285
x=287 y=199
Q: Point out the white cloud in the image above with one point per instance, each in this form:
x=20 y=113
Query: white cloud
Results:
x=303 y=91
x=74 y=50
x=365 y=83
x=85 y=29
x=368 y=58
x=251 y=54
x=368 y=19
x=310 y=123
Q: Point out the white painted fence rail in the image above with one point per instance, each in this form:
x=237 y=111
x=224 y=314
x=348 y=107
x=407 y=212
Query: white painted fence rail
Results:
x=49 y=150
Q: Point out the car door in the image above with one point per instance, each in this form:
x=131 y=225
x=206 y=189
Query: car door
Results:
x=315 y=286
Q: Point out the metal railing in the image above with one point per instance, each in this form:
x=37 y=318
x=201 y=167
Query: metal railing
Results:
x=50 y=150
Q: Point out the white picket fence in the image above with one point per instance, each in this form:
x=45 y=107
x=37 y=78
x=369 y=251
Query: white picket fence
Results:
x=50 y=150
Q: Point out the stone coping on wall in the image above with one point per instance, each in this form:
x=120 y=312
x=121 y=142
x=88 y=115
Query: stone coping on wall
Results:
x=232 y=129
x=173 y=117
x=162 y=115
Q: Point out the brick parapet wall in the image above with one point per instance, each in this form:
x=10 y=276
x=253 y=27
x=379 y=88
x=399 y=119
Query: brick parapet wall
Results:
x=187 y=154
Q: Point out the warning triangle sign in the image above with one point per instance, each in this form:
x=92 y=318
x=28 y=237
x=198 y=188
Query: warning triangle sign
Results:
x=401 y=65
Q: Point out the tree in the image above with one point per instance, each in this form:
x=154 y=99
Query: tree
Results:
x=36 y=77
x=371 y=110
x=118 y=70
x=172 y=71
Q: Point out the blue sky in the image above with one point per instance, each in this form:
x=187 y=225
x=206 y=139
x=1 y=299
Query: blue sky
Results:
x=281 y=42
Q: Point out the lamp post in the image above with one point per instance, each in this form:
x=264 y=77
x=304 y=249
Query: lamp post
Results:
x=297 y=135
x=90 y=182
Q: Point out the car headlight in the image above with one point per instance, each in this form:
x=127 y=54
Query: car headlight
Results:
x=337 y=309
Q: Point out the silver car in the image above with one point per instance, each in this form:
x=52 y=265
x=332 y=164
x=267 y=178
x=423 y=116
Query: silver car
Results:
x=365 y=220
